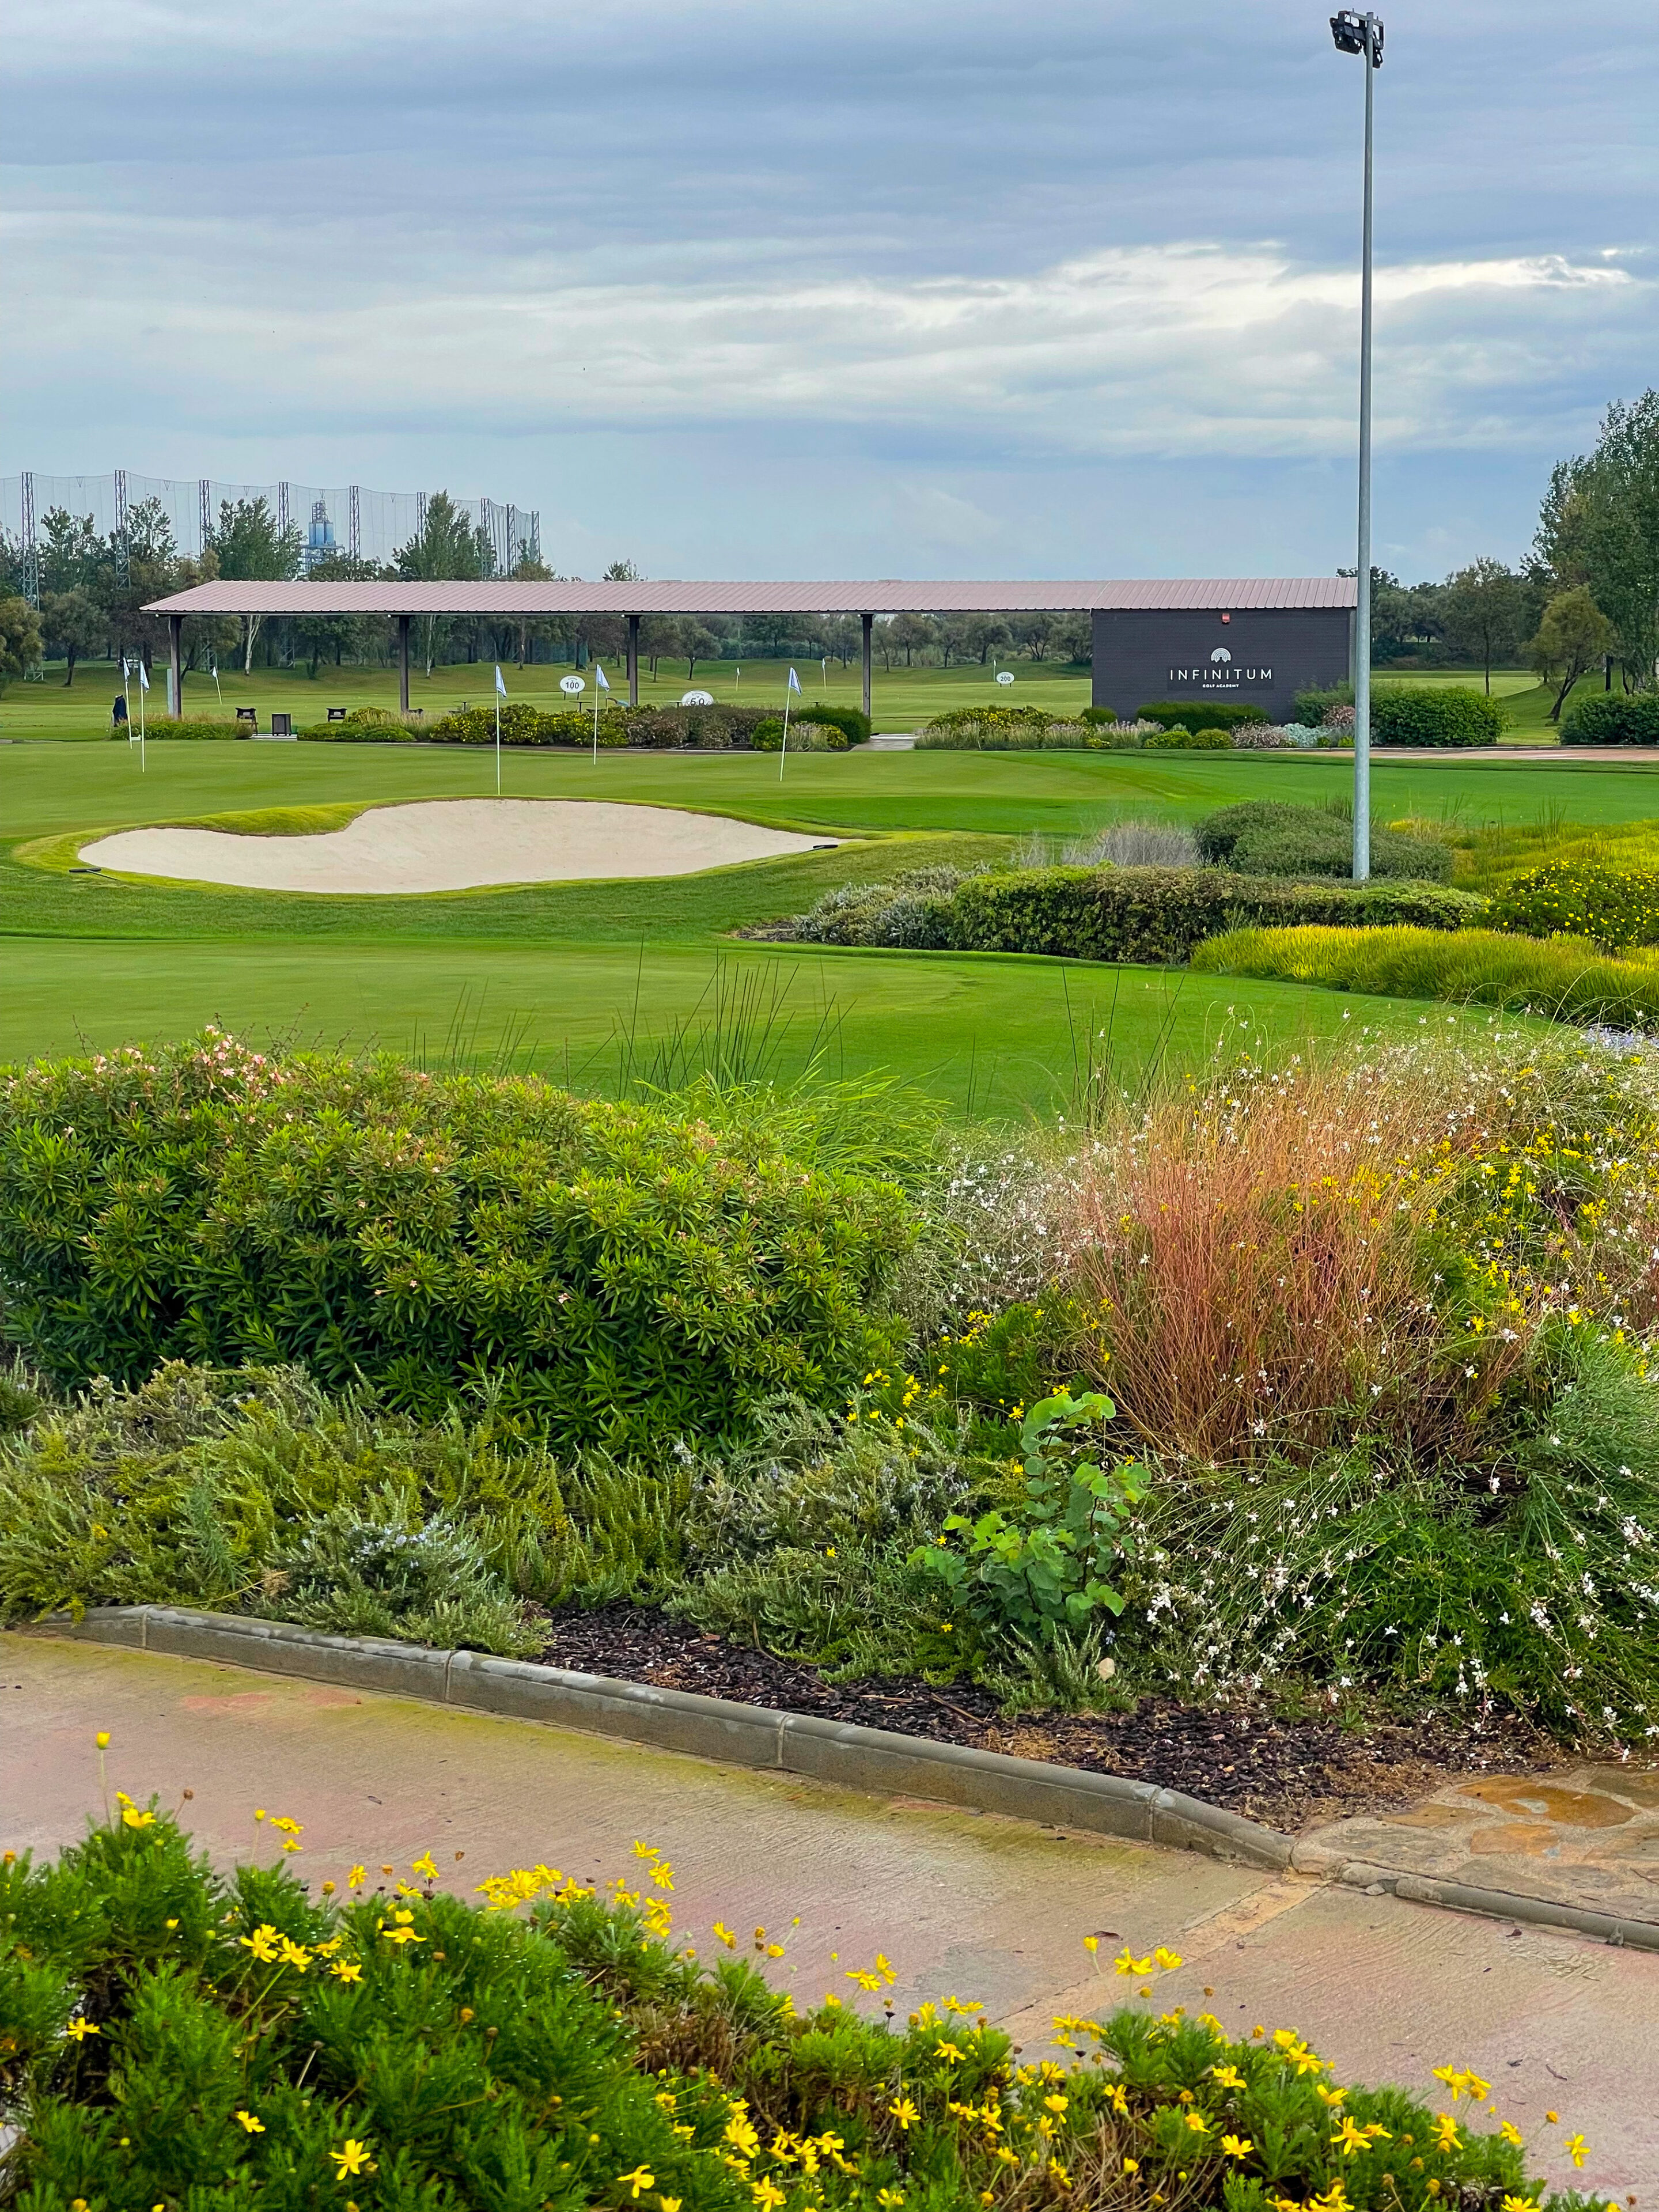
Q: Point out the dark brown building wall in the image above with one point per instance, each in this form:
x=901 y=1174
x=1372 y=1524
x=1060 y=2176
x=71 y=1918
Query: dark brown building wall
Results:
x=1253 y=656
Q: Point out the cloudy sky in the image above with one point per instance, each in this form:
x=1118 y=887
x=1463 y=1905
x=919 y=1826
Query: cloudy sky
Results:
x=961 y=287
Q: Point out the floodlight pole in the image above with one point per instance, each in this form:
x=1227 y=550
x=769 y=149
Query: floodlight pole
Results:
x=1362 y=34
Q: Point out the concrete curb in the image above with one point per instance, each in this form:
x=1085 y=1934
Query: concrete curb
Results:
x=841 y=1752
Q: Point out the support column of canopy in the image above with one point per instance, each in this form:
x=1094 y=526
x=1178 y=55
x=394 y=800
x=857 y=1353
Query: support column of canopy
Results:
x=176 y=662
x=402 y=664
x=633 y=661
x=868 y=622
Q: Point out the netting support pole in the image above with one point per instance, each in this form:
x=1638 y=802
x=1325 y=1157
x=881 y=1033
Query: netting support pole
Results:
x=633 y=661
x=402 y=664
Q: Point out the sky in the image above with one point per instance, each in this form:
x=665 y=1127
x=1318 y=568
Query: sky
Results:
x=894 y=288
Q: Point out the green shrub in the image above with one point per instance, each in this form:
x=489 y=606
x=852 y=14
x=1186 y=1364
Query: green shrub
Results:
x=1615 y=905
x=251 y=2043
x=767 y=737
x=1435 y=714
x=1101 y=717
x=621 y=1274
x=1313 y=703
x=853 y=722
x=190 y=726
x=1178 y=737
x=1158 y=914
x=373 y=714
x=1216 y=713
x=1555 y=976
x=1272 y=837
x=1613 y=718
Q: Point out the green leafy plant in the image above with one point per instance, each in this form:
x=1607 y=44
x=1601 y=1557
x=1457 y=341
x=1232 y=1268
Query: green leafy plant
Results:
x=1177 y=737
x=1615 y=905
x=1215 y=714
x=1044 y=1565
x=1435 y=714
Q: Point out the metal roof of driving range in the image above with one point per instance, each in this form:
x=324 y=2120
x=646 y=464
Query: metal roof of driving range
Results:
x=886 y=596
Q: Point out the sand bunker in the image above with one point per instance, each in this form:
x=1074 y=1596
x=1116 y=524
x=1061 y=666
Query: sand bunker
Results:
x=455 y=845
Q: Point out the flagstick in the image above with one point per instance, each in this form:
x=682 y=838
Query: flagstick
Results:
x=596 y=726
x=498 y=745
x=783 y=749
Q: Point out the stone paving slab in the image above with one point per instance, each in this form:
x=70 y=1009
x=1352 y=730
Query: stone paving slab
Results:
x=968 y=1904
x=1585 y=1835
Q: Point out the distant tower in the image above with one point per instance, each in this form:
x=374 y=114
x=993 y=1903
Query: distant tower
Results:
x=206 y=490
x=320 y=537
x=354 y=526
x=31 y=550
x=122 y=545
x=281 y=507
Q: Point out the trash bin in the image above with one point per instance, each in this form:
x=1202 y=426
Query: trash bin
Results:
x=282 y=725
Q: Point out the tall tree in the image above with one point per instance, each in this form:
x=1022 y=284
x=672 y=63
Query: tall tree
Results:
x=1573 y=635
x=696 y=642
x=71 y=552
x=20 y=639
x=1600 y=526
x=1482 y=608
x=449 y=549
x=72 y=623
x=913 y=634
x=252 y=546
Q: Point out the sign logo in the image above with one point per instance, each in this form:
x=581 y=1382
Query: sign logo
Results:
x=1221 y=673
x=1221 y=653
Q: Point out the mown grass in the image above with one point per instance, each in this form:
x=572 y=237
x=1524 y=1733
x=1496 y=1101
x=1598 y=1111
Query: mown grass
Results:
x=1560 y=977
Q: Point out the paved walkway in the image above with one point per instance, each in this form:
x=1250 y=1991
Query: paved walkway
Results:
x=1579 y=1835
x=961 y=1903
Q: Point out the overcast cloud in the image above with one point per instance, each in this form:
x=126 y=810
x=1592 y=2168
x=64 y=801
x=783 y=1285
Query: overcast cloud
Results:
x=965 y=289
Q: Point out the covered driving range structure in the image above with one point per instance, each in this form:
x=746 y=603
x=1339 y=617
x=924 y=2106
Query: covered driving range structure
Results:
x=1250 y=640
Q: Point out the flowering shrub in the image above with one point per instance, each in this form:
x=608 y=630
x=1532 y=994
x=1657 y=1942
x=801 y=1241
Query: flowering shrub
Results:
x=618 y=1273
x=174 y=2037
x=1615 y=905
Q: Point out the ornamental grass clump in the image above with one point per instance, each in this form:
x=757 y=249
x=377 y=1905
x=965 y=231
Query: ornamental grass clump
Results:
x=174 y=2036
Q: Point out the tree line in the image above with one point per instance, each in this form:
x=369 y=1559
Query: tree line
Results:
x=1586 y=599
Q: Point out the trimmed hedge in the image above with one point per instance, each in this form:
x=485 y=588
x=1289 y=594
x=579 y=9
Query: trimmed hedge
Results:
x=624 y=1276
x=1435 y=714
x=1613 y=906
x=1312 y=703
x=1157 y=915
x=1215 y=715
x=854 y=725
x=1613 y=718
x=1176 y=737
x=190 y=727
x=1274 y=837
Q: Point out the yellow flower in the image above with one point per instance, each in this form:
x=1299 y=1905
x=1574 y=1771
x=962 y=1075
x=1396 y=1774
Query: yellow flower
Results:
x=1197 y=2123
x=1126 y=1963
x=766 y=2195
x=79 y=2030
x=1237 y=2146
x=1511 y=2134
x=263 y=1944
x=1132 y=2165
x=135 y=1819
x=1353 y=2139
x=1445 y=2130
x=102 y=1739
x=424 y=1866
x=904 y=2112
x=357 y=1877
x=641 y=2178
x=1577 y=2149
x=294 y=1955
x=1520 y=2204
x=346 y=1970
x=352 y=2157
x=1091 y=1943
x=890 y=2198
x=254 y=2127
x=726 y=1936
x=669 y=2203
x=1168 y=1960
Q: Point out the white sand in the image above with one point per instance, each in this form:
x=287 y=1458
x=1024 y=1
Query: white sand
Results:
x=452 y=845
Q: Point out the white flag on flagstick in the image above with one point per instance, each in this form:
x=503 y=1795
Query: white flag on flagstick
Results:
x=599 y=677
x=143 y=676
x=794 y=681
x=500 y=686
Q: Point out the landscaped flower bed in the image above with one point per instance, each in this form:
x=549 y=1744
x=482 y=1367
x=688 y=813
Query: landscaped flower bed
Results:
x=174 y=2039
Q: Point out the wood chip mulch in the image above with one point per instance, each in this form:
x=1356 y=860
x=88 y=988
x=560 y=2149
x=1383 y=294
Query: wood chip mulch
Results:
x=1289 y=1771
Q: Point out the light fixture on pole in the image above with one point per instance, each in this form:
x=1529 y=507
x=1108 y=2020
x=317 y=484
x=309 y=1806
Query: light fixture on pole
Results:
x=1362 y=34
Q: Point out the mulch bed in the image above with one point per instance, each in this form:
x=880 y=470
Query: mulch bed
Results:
x=1285 y=1772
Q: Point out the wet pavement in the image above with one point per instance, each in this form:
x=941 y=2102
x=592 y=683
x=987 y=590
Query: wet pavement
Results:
x=1585 y=1835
